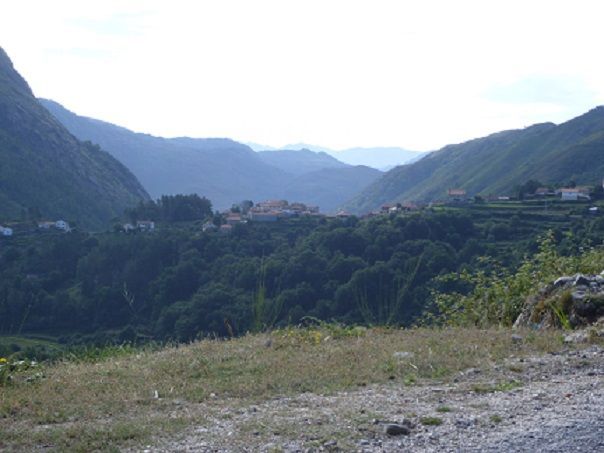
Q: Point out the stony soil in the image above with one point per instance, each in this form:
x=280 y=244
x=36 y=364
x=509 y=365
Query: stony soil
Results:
x=548 y=403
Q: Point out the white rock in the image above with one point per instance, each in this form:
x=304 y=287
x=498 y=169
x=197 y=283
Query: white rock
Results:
x=403 y=355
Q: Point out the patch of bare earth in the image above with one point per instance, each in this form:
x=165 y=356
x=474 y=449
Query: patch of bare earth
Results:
x=548 y=403
x=328 y=388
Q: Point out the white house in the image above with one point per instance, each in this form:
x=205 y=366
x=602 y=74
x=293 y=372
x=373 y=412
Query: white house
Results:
x=573 y=194
x=145 y=225
x=6 y=231
x=569 y=194
x=62 y=225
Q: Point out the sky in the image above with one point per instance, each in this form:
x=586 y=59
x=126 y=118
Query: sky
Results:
x=335 y=73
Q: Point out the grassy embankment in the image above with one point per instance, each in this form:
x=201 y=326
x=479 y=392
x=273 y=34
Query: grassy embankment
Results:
x=131 y=397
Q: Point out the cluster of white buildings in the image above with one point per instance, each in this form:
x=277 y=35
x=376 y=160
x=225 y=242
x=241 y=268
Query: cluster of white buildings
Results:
x=141 y=225
x=565 y=193
x=264 y=211
x=61 y=225
x=273 y=210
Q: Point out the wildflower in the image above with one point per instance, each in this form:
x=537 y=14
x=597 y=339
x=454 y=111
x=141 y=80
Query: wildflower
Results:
x=3 y=360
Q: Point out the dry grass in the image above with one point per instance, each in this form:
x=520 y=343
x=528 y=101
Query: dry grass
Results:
x=112 y=403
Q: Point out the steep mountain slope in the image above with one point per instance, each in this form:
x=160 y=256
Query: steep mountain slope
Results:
x=222 y=170
x=300 y=161
x=43 y=167
x=496 y=164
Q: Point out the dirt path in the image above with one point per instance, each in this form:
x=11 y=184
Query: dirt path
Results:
x=549 y=403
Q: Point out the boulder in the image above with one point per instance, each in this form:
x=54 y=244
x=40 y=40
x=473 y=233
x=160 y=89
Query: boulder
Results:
x=575 y=300
x=394 y=429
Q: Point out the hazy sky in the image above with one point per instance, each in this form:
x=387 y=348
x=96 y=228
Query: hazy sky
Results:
x=416 y=74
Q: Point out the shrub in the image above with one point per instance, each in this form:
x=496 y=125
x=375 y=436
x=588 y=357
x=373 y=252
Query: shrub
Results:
x=496 y=297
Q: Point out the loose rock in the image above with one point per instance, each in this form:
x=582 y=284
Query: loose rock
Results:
x=394 y=429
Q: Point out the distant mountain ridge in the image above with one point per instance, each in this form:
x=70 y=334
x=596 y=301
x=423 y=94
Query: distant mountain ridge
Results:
x=222 y=170
x=301 y=161
x=378 y=157
x=495 y=164
x=44 y=169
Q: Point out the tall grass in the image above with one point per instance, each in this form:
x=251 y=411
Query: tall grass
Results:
x=384 y=307
x=265 y=311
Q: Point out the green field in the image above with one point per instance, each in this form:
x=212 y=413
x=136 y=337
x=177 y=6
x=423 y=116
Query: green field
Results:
x=31 y=346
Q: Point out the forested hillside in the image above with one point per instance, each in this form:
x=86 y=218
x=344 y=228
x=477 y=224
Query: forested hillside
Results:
x=46 y=171
x=554 y=154
x=180 y=283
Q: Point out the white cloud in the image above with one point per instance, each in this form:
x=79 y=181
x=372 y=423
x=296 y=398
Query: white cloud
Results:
x=337 y=73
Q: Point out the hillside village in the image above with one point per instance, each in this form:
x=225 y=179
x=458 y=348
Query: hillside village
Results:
x=29 y=228
x=268 y=211
x=271 y=211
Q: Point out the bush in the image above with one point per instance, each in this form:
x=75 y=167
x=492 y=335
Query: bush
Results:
x=497 y=296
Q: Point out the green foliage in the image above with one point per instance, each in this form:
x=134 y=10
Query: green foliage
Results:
x=503 y=386
x=266 y=312
x=496 y=418
x=431 y=421
x=181 y=284
x=172 y=208
x=10 y=370
x=497 y=295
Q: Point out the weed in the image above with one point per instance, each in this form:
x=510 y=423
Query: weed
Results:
x=500 y=387
x=29 y=371
x=410 y=379
x=496 y=418
x=431 y=421
x=443 y=409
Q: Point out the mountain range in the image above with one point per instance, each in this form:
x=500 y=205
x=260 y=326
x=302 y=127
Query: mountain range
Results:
x=51 y=164
x=46 y=172
x=221 y=169
x=381 y=158
x=550 y=153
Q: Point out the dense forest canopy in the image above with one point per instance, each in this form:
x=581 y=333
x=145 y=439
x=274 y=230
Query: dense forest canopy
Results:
x=172 y=208
x=180 y=283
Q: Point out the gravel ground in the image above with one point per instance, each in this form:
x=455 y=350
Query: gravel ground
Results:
x=549 y=403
